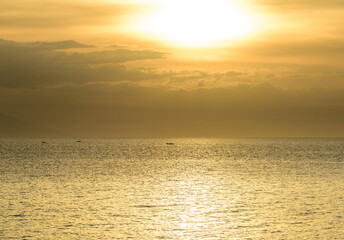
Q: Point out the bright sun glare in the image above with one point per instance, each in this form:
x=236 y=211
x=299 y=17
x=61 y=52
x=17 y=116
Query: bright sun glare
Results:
x=197 y=23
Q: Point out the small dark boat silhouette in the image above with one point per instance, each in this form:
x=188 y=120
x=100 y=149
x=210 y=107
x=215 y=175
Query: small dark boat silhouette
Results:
x=78 y=141
x=44 y=142
x=169 y=143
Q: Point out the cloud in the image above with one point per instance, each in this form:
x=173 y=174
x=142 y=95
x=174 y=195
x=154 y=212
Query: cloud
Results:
x=314 y=51
x=301 y=4
x=290 y=63
x=47 y=64
x=194 y=79
x=35 y=65
x=47 y=14
x=301 y=20
x=43 y=64
x=115 y=56
x=8 y=46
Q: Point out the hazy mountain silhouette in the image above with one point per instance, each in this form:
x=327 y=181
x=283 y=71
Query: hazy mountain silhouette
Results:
x=12 y=127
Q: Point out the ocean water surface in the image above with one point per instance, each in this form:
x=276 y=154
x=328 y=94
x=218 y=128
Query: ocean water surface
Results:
x=191 y=189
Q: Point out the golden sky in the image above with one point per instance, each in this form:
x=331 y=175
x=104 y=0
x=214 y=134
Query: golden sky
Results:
x=161 y=68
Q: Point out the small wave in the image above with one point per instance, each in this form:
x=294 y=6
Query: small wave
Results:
x=157 y=206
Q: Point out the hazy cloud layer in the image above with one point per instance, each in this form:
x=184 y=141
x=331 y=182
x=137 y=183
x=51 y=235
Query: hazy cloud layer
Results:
x=47 y=13
x=301 y=4
x=100 y=110
x=317 y=48
x=79 y=90
x=318 y=23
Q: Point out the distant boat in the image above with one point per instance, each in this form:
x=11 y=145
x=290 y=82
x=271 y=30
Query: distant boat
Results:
x=78 y=141
x=44 y=142
x=169 y=143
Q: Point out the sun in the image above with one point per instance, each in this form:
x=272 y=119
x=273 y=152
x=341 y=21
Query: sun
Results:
x=197 y=22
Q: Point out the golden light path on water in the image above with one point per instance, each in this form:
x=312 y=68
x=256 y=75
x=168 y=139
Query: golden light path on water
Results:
x=194 y=23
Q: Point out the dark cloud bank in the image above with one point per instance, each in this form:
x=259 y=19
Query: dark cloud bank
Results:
x=91 y=94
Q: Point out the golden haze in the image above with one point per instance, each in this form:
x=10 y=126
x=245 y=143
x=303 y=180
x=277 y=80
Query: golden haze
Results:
x=172 y=68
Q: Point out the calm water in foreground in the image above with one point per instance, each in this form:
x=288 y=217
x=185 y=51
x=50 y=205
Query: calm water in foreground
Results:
x=194 y=189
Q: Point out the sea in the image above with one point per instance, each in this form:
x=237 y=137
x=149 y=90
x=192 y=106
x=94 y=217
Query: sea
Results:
x=256 y=188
